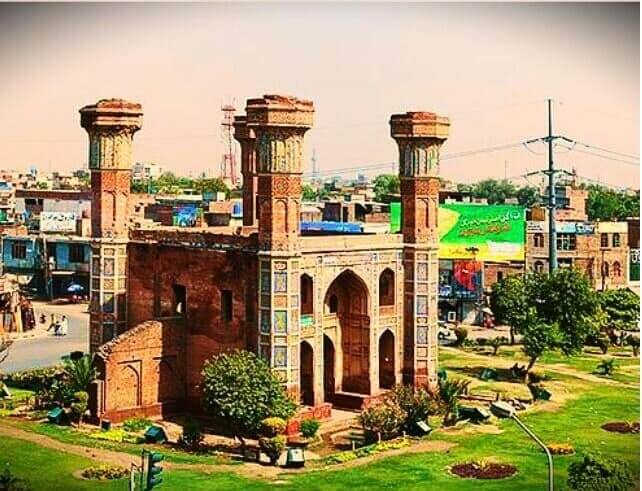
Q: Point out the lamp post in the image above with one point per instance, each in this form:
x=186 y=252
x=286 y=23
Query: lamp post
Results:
x=504 y=410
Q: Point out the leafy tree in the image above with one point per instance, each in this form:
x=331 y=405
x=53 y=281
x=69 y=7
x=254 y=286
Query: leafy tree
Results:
x=384 y=185
x=80 y=404
x=566 y=299
x=609 y=205
x=139 y=187
x=509 y=301
x=495 y=191
x=597 y=473
x=621 y=306
x=309 y=194
x=528 y=196
x=215 y=185
x=79 y=373
x=538 y=337
x=241 y=390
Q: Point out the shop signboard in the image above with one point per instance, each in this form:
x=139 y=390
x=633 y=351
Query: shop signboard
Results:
x=57 y=221
x=186 y=216
x=481 y=232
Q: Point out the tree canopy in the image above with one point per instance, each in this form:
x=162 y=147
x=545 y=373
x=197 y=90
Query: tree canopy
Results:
x=385 y=184
x=609 y=205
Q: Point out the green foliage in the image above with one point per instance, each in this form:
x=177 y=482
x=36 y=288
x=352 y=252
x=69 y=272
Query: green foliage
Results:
x=461 y=334
x=34 y=379
x=609 y=205
x=607 y=367
x=386 y=419
x=215 y=185
x=308 y=193
x=538 y=337
x=416 y=403
x=273 y=447
x=117 y=435
x=449 y=391
x=309 y=427
x=9 y=482
x=79 y=373
x=385 y=184
x=79 y=406
x=598 y=473
x=272 y=426
x=494 y=190
x=509 y=300
x=528 y=196
x=350 y=455
x=241 y=390
x=192 y=436
x=105 y=472
x=622 y=306
x=496 y=343
x=137 y=424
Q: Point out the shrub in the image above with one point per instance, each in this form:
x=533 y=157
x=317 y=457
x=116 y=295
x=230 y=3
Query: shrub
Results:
x=561 y=449
x=273 y=447
x=385 y=419
x=272 y=426
x=496 y=343
x=117 y=435
x=105 y=472
x=136 y=424
x=241 y=390
x=79 y=406
x=192 y=435
x=34 y=379
x=79 y=372
x=606 y=367
x=416 y=403
x=449 y=392
x=349 y=455
x=597 y=473
x=9 y=482
x=461 y=333
x=309 y=428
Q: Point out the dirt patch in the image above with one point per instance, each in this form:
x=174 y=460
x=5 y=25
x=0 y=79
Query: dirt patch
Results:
x=473 y=470
x=621 y=427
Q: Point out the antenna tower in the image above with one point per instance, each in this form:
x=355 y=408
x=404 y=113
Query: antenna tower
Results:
x=228 y=160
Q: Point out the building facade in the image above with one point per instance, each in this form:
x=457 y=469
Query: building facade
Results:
x=340 y=318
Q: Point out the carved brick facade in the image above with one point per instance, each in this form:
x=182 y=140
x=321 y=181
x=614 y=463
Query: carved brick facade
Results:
x=340 y=318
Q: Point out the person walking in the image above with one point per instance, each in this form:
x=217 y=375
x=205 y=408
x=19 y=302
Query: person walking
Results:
x=53 y=325
x=64 y=325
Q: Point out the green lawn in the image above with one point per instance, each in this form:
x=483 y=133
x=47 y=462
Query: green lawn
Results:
x=577 y=421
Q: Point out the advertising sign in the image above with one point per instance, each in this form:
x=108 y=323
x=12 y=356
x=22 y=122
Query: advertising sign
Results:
x=57 y=221
x=186 y=216
x=481 y=232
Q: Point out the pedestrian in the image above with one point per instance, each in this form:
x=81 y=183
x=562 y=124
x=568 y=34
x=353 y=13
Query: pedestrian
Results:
x=57 y=327
x=64 y=326
x=52 y=325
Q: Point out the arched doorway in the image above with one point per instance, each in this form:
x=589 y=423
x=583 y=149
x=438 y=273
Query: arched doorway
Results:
x=307 y=374
x=328 y=368
x=386 y=360
x=347 y=296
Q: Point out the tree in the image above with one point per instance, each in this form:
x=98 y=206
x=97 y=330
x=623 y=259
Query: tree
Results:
x=308 y=192
x=509 y=301
x=566 y=299
x=609 y=205
x=528 y=196
x=495 y=191
x=80 y=404
x=215 y=185
x=386 y=184
x=537 y=337
x=240 y=390
x=449 y=391
x=79 y=373
x=139 y=187
x=597 y=473
x=621 y=306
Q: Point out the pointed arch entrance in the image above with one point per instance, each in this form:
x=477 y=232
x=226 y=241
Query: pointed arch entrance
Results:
x=386 y=360
x=306 y=384
x=347 y=298
x=328 y=368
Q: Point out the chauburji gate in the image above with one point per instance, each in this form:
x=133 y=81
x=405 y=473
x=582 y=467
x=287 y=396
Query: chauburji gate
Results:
x=341 y=318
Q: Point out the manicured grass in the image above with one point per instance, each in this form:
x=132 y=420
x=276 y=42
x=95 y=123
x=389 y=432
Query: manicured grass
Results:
x=576 y=422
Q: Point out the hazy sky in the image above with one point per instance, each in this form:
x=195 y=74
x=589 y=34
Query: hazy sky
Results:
x=489 y=67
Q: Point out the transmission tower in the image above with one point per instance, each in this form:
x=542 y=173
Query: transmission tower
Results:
x=228 y=160
x=315 y=172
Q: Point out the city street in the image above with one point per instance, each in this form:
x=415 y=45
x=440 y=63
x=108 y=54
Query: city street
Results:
x=43 y=348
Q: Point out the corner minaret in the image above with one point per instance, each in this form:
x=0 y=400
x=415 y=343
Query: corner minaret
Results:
x=110 y=124
x=279 y=123
x=419 y=136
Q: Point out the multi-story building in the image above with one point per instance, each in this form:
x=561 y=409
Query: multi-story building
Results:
x=143 y=171
x=7 y=203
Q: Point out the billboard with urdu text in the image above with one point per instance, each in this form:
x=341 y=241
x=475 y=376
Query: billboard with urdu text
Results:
x=481 y=232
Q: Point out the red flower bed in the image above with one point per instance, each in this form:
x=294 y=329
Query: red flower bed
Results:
x=622 y=427
x=483 y=471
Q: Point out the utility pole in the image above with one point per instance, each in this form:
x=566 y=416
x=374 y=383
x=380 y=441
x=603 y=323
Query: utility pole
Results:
x=552 y=233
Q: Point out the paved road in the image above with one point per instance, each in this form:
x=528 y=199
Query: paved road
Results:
x=46 y=349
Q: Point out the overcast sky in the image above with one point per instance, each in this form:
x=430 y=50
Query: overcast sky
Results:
x=489 y=67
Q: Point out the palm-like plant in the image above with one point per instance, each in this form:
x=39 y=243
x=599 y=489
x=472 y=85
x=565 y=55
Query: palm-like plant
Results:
x=449 y=391
x=79 y=373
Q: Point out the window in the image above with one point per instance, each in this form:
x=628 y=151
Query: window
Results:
x=605 y=269
x=333 y=304
x=617 y=269
x=51 y=249
x=180 y=300
x=616 y=240
x=538 y=240
x=387 y=288
x=566 y=242
x=538 y=266
x=604 y=240
x=76 y=253
x=19 y=250
x=307 y=297
x=500 y=275
x=226 y=305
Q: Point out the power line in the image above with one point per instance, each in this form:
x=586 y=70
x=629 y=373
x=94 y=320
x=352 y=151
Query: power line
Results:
x=594 y=154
